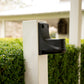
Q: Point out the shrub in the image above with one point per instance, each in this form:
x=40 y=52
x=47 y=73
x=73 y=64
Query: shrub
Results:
x=11 y=62
x=82 y=64
x=82 y=41
x=63 y=68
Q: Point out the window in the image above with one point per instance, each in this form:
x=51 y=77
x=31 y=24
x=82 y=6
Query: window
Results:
x=62 y=26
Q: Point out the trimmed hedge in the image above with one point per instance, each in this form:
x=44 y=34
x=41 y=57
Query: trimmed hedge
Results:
x=11 y=62
x=62 y=68
x=82 y=64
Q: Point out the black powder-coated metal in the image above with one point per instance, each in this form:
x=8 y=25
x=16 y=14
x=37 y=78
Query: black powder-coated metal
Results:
x=46 y=44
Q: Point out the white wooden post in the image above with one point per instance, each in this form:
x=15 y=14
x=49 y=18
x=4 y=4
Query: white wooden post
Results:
x=75 y=26
x=82 y=31
x=75 y=22
x=36 y=66
x=2 y=29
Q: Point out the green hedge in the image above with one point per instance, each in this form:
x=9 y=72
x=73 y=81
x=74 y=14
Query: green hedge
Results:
x=11 y=62
x=82 y=64
x=62 y=68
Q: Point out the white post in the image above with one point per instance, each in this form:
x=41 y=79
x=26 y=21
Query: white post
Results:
x=2 y=29
x=75 y=26
x=82 y=31
x=75 y=22
x=36 y=65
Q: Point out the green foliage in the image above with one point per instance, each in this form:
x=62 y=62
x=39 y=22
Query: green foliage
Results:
x=82 y=41
x=11 y=61
x=82 y=64
x=63 y=68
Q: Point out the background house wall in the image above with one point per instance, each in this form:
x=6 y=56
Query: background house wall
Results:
x=13 y=29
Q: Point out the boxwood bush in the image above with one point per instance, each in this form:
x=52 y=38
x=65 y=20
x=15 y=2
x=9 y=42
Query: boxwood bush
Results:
x=11 y=61
x=82 y=64
x=62 y=68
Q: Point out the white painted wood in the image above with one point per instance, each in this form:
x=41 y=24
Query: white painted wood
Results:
x=43 y=69
x=82 y=31
x=42 y=16
x=75 y=26
x=36 y=66
x=75 y=22
x=2 y=29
